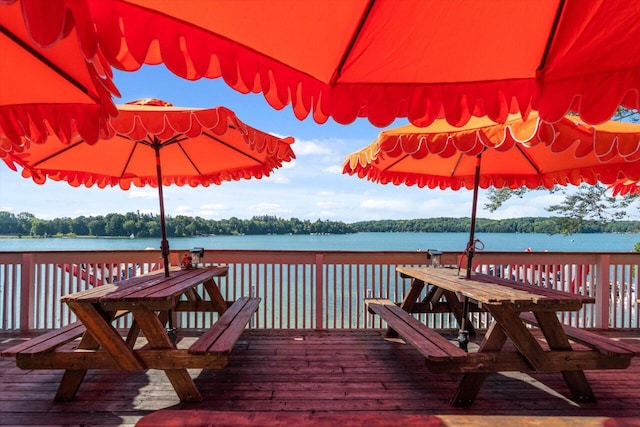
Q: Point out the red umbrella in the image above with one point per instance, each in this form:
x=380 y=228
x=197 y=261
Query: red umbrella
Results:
x=482 y=154
x=154 y=143
x=529 y=153
x=381 y=59
x=53 y=90
x=625 y=187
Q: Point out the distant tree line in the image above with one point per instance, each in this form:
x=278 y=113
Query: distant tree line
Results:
x=546 y=225
x=147 y=225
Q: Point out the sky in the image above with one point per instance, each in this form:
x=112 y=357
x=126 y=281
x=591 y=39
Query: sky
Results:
x=309 y=188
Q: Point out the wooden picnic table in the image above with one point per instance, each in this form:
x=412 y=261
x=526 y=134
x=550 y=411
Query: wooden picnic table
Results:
x=151 y=300
x=512 y=306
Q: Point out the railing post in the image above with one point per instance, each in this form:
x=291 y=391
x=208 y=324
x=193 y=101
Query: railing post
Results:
x=319 y=290
x=253 y=293
x=27 y=292
x=368 y=316
x=602 y=291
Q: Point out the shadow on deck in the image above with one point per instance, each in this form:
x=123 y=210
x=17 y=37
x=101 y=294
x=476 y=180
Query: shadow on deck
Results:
x=329 y=377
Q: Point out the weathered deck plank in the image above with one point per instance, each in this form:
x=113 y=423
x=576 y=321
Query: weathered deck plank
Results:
x=358 y=377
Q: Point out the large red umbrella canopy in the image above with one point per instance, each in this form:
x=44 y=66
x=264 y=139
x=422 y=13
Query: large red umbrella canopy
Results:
x=381 y=59
x=152 y=141
x=53 y=90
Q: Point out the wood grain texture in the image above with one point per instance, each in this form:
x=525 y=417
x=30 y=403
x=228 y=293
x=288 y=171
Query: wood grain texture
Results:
x=313 y=375
x=225 y=332
x=354 y=377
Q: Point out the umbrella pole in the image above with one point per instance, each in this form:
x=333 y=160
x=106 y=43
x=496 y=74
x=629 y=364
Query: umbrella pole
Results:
x=164 y=244
x=463 y=334
x=471 y=244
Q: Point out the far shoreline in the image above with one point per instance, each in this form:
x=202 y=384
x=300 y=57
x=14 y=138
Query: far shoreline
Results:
x=88 y=237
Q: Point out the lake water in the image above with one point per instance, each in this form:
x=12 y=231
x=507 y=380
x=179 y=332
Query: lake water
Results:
x=349 y=242
x=357 y=242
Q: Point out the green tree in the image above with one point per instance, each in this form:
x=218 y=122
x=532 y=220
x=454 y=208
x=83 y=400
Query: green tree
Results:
x=39 y=227
x=60 y=226
x=80 y=226
x=588 y=204
x=24 y=222
x=152 y=228
x=129 y=227
x=581 y=208
x=9 y=224
x=96 y=226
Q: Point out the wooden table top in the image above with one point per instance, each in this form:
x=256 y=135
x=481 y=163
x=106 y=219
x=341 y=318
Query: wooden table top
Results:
x=487 y=289
x=150 y=287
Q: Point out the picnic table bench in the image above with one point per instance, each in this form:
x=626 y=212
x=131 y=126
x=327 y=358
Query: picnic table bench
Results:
x=150 y=299
x=512 y=305
x=433 y=346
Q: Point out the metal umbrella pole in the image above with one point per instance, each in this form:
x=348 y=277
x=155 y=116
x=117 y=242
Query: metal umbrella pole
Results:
x=463 y=334
x=164 y=244
x=474 y=208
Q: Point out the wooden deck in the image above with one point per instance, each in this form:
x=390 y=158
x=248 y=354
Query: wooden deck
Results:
x=289 y=377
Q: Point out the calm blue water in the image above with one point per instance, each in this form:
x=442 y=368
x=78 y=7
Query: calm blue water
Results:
x=351 y=242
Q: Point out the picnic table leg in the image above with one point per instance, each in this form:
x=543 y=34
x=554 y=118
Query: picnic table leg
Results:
x=470 y=385
x=153 y=329
x=520 y=335
x=456 y=307
x=558 y=340
x=411 y=297
x=409 y=301
x=99 y=323
x=218 y=301
x=133 y=333
x=69 y=385
x=433 y=296
x=71 y=379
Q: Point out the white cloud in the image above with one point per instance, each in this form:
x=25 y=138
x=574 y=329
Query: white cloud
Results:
x=268 y=209
x=208 y=214
x=516 y=212
x=547 y=199
x=385 y=205
x=142 y=194
x=207 y=210
x=330 y=205
x=278 y=179
x=533 y=204
x=455 y=205
x=288 y=165
x=306 y=148
x=214 y=207
x=335 y=169
x=325 y=215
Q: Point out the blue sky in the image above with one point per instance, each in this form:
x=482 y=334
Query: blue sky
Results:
x=312 y=187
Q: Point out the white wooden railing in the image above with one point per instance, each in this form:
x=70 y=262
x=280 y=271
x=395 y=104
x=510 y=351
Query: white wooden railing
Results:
x=309 y=289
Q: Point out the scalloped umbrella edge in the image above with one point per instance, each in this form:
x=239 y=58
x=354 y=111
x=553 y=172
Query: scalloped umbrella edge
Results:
x=201 y=147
